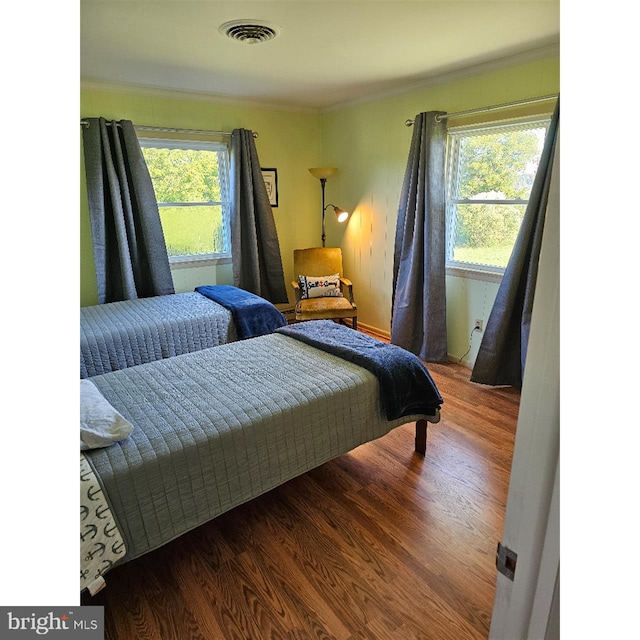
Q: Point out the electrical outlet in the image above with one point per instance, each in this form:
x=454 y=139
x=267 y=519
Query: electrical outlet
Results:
x=478 y=325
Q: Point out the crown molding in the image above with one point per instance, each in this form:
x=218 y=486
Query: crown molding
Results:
x=430 y=81
x=452 y=75
x=193 y=96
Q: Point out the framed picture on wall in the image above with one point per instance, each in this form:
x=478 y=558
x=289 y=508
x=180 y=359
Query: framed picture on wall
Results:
x=270 y=177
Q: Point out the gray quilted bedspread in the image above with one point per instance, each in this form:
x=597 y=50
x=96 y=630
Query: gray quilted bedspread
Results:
x=216 y=428
x=118 y=335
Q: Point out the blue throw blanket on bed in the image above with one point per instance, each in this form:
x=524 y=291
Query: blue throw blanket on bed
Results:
x=406 y=386
x=253 y=316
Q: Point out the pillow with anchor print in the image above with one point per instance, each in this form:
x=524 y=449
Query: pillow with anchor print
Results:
x=100 y=424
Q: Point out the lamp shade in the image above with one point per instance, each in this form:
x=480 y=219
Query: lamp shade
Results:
x=341 y=214
x=323 y=172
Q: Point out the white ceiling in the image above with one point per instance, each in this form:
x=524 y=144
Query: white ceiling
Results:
x=328 y=53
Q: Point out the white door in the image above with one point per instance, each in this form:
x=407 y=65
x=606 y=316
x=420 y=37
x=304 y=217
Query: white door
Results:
x=527 y=607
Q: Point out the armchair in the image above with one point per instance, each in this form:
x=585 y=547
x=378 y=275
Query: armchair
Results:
x=319 y=262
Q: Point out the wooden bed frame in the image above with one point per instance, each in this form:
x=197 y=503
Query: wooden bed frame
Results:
x=421 y=436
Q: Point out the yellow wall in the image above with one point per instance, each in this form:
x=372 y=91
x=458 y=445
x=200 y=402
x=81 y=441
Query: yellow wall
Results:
x=369 y=142
x=287 y=140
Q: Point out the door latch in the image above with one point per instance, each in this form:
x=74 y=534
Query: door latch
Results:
x=506 y=561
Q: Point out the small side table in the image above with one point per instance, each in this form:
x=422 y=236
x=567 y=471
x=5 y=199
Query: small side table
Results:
x=289 y=311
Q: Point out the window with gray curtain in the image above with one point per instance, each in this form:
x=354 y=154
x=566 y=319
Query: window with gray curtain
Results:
x=503 y=350
x=128 y=242
x=191 y=182
x=418 y=318
x=490 y=173
x=255 y=249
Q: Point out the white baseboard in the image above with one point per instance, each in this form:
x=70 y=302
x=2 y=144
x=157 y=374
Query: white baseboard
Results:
x=386 y=335
x=467 y=364
x=378 y=333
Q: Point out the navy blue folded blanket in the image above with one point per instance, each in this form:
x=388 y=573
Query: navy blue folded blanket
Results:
x=252 y=315
x=405 y=384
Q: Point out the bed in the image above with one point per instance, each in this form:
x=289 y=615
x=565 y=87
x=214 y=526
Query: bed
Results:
x=118 y=335
x=215 y=428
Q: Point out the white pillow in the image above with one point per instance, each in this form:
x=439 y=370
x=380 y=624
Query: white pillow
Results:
x=100 y=424
x=320 y=286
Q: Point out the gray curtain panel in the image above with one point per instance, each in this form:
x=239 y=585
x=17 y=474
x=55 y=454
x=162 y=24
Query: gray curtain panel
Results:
x=128 y=242
x=418 y=317
x=503 y=349
x=255 y=250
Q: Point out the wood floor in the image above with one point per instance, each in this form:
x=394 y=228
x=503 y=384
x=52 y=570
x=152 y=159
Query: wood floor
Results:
x=379 y=543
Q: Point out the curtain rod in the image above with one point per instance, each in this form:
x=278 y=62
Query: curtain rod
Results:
x=85 y=123
x=506 y=105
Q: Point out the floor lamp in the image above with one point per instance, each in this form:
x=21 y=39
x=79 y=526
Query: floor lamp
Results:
x=322 y=173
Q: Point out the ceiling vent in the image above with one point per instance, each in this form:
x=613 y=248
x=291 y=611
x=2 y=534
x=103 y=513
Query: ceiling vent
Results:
x=250 y=31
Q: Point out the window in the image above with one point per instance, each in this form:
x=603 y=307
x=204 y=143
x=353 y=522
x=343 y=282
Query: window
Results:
x=191 y=182
x=490 y=173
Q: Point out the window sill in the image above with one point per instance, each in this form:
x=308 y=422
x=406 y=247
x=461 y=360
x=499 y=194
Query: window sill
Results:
x=474 y=274
x=198 y=261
